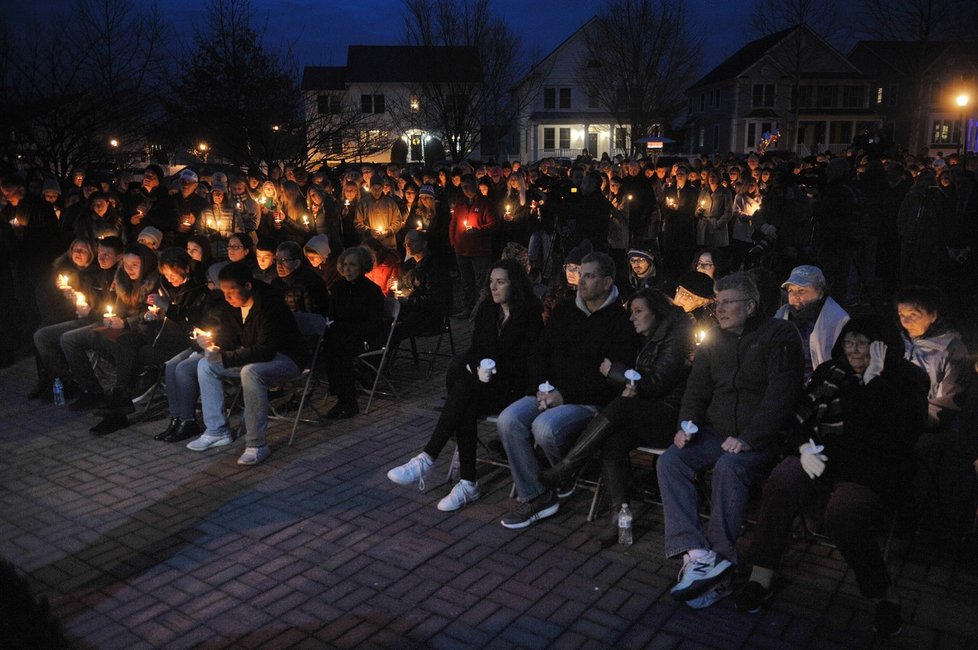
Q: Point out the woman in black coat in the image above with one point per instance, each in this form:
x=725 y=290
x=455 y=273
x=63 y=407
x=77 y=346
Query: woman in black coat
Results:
x=855 y=429
x=507 y=324
x=645 y=413
x=356 y=310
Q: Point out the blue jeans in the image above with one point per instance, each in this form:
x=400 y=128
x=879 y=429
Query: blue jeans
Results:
x=733 y=475
x=47 y=340
x=255 y=378
x=181 y=384
x=554 y=430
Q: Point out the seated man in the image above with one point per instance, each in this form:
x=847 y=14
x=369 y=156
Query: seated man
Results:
x=745 y=380
x=817 y=316
x=581 y=333
x=257 y=340
x=424 y=290
x=302 y=287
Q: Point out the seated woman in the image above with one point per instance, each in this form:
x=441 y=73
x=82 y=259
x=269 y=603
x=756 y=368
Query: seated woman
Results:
x=855 y=429
x=65 y=307
x=178 y=306
x=931 y=344
x=357 y=313
x=645 y=413
x=507 y=325
x=135 y=279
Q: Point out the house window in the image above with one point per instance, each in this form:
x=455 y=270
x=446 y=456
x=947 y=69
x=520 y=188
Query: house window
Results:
x=879 y=95
x=415 y=104
x=549 y=98
x=716 y=137
x=763 y=96
x=716 y=98
x=656 y=129
x=853 y=96
x=702 y=136
x=942 y=132
x=336 y=144
x=621 y=138
x=751 y=135
x=548 y=138
x=565 y=137
x=328 y=104
x=372 y=103
x=827 y=96
x=805 y=94
x=565 y=98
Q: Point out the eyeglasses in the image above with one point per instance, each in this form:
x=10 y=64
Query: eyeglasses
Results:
x=285 y=260
x=723 y=304
x=235 y=247
x=705 y=265
x=850 y=344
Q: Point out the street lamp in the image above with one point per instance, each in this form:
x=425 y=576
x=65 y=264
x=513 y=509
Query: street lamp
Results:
x=114 y=143
x=962 y=102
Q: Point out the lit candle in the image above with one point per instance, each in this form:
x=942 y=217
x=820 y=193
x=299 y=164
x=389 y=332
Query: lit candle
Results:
x=63 y=281
x=199 y=332
x=80 y=300
x=212 y=223
x=420 y=224
x=305 y=219
x=108 y=312
x=237 y=206
x=700 y=336
x=629 y=197
x=346 y=203
x=465 y=224
x=394 y=286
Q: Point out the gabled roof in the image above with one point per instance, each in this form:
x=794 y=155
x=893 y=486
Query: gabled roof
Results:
x=895 y=58
x=397 y=64
x=742 y=59
x=534 y=68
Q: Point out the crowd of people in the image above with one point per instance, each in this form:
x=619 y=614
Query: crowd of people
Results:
x=783 y=324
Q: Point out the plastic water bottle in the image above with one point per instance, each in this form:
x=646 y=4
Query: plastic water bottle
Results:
x=625 y=525
x=59 y=392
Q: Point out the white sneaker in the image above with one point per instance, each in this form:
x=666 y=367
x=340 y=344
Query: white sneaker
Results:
x=254 y=455
x=413 y=470
x=464 y=493
x=207 y=441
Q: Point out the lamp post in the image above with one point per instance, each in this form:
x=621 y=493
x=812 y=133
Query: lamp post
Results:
x=962 y=102
x=202 y=149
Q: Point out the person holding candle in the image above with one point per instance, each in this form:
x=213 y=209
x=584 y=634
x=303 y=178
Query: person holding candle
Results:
x=378 y=215
x=348 y=206
x=507 y=324
x=265 y=260
x=714 y=213
x=186 y=208
x=302 y=288
x=645 y=412
x=257 y=340
x=745 y=380
x=854 y=430
x=746 y=202
x=470 y=234
x=67 y=307
x=580 y=334
x=135 y=279
x=319 y=254
x=678 y=225
x=217 y=220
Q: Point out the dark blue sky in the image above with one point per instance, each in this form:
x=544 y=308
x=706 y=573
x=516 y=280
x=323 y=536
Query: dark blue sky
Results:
x=321 y=30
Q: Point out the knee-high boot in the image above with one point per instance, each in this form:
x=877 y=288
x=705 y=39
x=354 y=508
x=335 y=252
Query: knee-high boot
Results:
x=587 y=444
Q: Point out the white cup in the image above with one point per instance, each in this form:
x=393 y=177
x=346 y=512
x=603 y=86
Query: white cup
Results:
x=632 y=376
x=489 y=366
x=546 y=387
x=689 y=428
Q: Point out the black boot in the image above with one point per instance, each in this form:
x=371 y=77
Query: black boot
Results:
x=565 y=471
x=186 y=429
x=170 y=428
x=119 y=402
x=615 y=477
x=110 y=424
x=42 y=389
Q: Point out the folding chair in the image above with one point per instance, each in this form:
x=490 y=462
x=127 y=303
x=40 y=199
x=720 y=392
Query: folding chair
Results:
x=655 y=452
x=444 y=328
x=392 y=309
x=312 y=327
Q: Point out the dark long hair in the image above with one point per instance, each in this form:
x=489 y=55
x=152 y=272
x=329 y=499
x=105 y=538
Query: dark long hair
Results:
x=522 y=299
x=659 y=303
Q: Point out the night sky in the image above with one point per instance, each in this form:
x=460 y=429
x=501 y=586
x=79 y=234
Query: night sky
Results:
x=321 y=30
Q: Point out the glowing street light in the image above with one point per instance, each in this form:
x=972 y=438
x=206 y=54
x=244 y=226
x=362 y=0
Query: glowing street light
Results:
x=114 y=143
x=962 y=100
x=202 y=147
x=276 y=127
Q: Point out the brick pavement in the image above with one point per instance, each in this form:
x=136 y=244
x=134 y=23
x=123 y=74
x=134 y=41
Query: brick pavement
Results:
x=143 y=544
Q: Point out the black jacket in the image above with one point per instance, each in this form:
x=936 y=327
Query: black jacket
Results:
x=745 y=386
x=304 y=290
x=357 y=311
x=427 y=287
x=664 y=361
x=573 y=345
x=270 y=329
x=509 y=346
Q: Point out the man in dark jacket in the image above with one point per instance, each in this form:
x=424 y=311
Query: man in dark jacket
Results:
x=257 y=340
x=746 y=378
x=424 y=291
x=567 y=388
x=303 y=288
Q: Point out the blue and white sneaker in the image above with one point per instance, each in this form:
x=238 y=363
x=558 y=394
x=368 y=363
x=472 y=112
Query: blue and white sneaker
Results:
x=206 y=441
x=698 y=575
x=719 y=590
x=464 y=493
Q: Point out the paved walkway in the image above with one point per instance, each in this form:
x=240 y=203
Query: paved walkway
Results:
x=143 y=544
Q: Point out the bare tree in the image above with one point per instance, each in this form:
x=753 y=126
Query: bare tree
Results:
x=337 y=129
x=466 y=87
x=640 y=56
x=70 y=90
x=825 y=17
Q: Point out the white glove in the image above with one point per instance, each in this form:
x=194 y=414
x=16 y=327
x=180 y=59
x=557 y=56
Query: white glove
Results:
x=485 y=374
x=877 y=354
x=812 y=459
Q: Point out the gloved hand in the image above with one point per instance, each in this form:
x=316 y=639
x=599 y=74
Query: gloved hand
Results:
x=812 y=459
x=877 y=354
x=485 y=374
